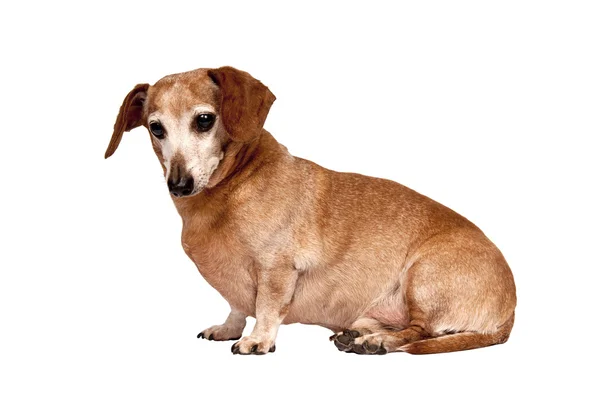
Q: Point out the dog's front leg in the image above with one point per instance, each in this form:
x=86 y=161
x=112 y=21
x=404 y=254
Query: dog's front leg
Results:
x=275 y=290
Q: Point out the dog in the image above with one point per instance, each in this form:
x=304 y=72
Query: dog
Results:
x=285 y=241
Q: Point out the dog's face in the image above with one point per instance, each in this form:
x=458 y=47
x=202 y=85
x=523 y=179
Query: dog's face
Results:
x=192 y=117
x=186 y=129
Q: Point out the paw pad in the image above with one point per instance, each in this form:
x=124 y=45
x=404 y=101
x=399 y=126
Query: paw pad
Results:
x=345 y=342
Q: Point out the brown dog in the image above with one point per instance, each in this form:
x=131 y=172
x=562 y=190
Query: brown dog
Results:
x=285 y=240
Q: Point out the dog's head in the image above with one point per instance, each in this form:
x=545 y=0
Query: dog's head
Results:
x=192 y=117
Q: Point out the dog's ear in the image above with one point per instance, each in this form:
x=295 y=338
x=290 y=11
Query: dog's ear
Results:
x=245 y=102
x=130 y=116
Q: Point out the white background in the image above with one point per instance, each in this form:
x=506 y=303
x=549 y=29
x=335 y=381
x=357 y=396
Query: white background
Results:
x=489 y=108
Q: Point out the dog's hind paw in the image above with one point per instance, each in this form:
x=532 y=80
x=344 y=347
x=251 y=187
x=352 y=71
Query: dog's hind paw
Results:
x=344 y=340
x=351 y=341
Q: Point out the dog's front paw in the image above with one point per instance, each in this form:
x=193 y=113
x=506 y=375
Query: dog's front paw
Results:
x=221 y=333
x=252 y=345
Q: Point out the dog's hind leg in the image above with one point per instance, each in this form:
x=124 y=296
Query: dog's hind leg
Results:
x=414 y=340
x=387 y=341
x=380 y=339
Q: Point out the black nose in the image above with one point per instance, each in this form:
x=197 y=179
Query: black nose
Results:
x=182 y=187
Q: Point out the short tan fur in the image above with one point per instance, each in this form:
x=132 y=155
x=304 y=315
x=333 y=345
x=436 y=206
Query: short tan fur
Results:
x=285 y=240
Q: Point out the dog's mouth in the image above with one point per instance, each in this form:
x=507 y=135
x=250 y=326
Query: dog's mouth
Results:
x=200 y=181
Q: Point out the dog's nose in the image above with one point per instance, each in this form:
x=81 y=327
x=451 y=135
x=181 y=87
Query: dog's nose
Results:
x=182 y=187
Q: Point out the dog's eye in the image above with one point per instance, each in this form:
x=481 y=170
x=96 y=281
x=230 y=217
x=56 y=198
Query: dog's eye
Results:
x=157 y=129
x=205 y=121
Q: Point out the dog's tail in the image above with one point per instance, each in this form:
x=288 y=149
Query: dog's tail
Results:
x=460 y=341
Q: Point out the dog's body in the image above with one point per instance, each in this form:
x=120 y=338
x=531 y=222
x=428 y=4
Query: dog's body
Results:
x=285 y=240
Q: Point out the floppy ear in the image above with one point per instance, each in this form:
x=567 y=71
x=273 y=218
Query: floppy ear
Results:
x=130 y=116
x=245 y=102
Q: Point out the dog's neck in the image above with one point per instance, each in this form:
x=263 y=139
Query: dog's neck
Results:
x=240 y=162
x=237 y=156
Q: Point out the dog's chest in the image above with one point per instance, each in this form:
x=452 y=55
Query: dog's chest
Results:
x=226 y=269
